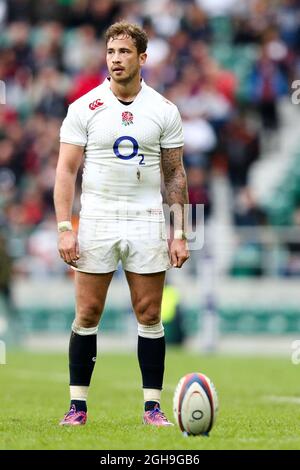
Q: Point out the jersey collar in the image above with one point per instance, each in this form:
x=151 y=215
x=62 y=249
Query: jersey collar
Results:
x=106 y=83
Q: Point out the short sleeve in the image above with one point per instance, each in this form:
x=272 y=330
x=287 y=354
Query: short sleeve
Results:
x=73 y=130
x=172 y=135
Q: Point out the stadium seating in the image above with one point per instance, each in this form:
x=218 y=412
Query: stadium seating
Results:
x=286 y=197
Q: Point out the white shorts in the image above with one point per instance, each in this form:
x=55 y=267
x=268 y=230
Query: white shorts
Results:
x=141 y=246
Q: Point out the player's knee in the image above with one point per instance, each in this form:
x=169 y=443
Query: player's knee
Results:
x=148 y=312
x=150 y=317
x=88 y=316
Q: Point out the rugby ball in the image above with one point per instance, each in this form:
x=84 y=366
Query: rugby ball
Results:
x=195 y=404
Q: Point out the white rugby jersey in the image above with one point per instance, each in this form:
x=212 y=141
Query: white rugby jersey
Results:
x=122 y=143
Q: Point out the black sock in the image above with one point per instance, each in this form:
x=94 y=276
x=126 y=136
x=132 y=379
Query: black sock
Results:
x=150 y=405
x=151 y=356
x=82 y=358
x=80 y=405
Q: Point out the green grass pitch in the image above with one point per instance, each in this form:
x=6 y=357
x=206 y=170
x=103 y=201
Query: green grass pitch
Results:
x=258 y=403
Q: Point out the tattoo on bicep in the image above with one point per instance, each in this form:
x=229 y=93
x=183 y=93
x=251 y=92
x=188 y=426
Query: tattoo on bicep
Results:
x=174 y=175
x=175 y=185
x=171 y=160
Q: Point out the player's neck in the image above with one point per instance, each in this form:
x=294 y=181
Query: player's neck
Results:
x=126 y=91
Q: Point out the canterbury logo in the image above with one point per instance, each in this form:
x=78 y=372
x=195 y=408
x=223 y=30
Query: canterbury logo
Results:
x=95 y=104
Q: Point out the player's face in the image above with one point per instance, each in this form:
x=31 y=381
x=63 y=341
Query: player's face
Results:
x=123 y=60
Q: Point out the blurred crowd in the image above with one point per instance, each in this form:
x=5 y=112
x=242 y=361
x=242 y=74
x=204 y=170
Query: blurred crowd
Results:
x=225 y=63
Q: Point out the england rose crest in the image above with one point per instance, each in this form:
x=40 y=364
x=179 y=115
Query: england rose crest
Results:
x=127 y=118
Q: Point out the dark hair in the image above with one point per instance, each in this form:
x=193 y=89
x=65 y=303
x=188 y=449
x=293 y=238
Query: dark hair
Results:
x=134 y=31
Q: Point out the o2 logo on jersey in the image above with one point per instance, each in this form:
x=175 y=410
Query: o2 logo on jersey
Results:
x=135 y=149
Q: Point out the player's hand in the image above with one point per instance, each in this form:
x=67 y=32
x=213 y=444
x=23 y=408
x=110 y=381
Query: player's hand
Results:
x=68 y=247
x=179 y=253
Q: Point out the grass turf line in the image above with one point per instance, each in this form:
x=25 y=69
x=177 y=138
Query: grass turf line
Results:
x=34 y=396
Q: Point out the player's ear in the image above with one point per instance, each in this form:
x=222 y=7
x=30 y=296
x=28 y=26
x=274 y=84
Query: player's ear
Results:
x=143 y=58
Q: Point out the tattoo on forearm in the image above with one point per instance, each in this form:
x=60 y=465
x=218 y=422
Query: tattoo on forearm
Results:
x=175 y=183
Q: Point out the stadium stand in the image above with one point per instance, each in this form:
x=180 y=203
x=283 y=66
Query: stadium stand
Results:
x=227 y=71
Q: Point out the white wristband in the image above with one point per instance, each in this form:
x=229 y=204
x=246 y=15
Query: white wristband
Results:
x=64 y=226
x=179 y=235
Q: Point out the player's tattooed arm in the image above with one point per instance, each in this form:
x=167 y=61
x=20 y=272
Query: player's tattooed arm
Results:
x=175 y=183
